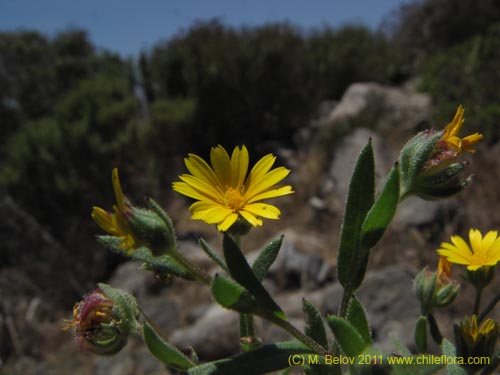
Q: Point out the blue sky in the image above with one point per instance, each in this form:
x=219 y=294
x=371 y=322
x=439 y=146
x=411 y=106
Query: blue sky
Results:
x=127 y=26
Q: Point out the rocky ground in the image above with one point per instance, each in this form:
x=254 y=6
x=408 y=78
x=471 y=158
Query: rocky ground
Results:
x=31 y=339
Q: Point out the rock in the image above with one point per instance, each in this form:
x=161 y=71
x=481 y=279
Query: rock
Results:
x=393 y=113
x=214 y=335
x=336 y=182
x=380 y=108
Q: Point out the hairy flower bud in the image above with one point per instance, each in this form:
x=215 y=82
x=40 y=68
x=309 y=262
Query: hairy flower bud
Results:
x=103 y=320
x=435 y=289
x=428 y=162
x=135 y=227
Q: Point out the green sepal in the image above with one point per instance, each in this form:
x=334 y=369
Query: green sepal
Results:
x=125 y=302
x=241 y=271
x=315 y=328
x=212 y=254
x=421 y=334
x=266 y=258
x=382 y=212
x=347 y=336
x=233 y=296
x=262 y=360
x=359 y=201
x=165 y=352
x=449 y=350
x=356 y=315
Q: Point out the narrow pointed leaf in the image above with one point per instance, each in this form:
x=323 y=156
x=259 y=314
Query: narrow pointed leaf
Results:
x=359 y=201
x=356 y=315
x=165 y=352
x=266 y=258
x=347 y=336
x=382 y=212
x=262 y=360
x=212 y=254
x=241 y=271
x=315 y=328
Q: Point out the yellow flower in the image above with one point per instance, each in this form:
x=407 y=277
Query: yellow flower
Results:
x=224 y=190
x=116 y=223
x=451 y=138
x=483 y=252
x=469 y=327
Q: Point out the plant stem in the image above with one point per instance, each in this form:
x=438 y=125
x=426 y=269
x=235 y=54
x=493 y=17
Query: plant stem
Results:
x=306 y=340
x=477 y=302
x=196 y=271
x=488 y=308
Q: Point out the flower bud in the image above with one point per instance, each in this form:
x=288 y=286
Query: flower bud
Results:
x=135 y=227
x=428 y=162
x=435 y=289
x=475 y=341
x=103 y=320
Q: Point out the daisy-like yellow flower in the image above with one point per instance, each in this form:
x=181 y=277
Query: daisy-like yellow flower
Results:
x=451 y=138
x=482 y=252
x=115 y=223
x=225 y=190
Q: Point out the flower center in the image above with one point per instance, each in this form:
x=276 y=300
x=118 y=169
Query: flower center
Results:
x=234 y=199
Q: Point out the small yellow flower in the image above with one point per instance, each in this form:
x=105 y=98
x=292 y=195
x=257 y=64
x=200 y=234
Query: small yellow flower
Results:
x=451 y=138
x=116 y=223
x=483 y=252
x=225 y=191
x=469 y=327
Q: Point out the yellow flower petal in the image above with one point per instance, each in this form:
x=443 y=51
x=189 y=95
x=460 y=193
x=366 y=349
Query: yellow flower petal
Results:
x=221 y=164
x=263 y=209
x=271 y=178
x=228 y=221
x=272 y=193
x=201 y=186
x=120 y=200
x=256 y=222
x=239 y=166
x=199 y=168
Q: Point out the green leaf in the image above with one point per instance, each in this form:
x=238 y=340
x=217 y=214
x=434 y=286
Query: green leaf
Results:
x=315 y=328
x=266 y=258
x=348 y=337
x=382 y=212
x=262 y=360
x=165 y=352
x=434 y=329
x=421 y=334
x=212 y=254
x=357 y=317
x=359 y=201
x=233 y=296
x=449 y=350
x=240 y=270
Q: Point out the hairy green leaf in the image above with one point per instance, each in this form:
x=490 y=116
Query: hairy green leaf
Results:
x=165 y=352
x=359 y=200
x=357 y=317
x=241 y=271
x=348 y=337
